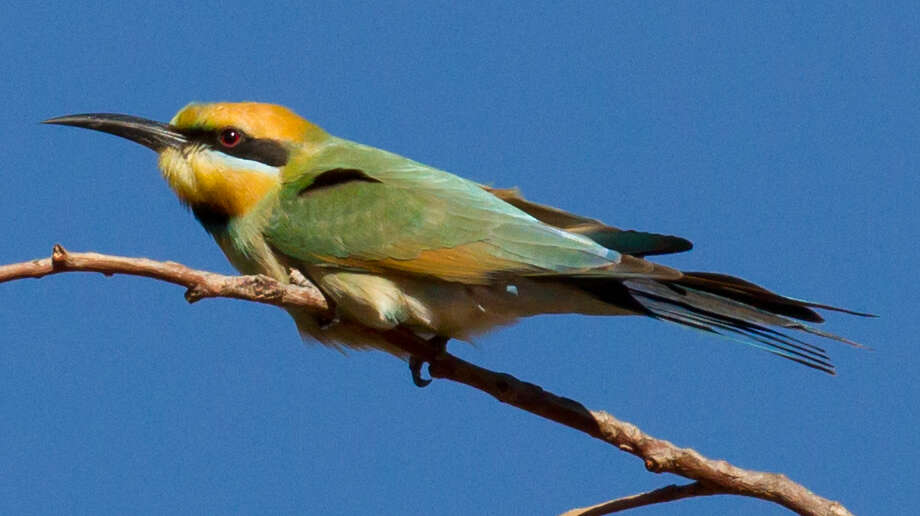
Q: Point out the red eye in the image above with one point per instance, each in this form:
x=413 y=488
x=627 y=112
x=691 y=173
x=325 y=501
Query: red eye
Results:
x=230 y=137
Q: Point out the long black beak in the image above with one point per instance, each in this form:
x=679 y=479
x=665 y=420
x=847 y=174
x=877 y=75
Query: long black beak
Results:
x=149 y=133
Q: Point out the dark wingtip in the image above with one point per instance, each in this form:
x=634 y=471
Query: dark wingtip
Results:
x=638 y=243
x=843 y=310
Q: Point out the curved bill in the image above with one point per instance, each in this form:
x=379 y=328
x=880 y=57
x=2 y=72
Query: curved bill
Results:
x=149 y=133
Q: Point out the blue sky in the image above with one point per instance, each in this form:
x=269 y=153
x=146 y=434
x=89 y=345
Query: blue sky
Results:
x=782 y=140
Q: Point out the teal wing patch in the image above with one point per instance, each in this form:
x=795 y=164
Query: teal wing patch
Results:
x=636 y=243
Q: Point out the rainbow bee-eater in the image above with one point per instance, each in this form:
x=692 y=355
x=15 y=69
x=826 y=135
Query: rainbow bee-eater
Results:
x=395 y=244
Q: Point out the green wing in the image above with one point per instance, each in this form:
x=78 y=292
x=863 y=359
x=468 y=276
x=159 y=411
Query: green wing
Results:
x=362 y=207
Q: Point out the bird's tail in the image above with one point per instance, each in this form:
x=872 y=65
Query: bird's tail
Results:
x=738 y=309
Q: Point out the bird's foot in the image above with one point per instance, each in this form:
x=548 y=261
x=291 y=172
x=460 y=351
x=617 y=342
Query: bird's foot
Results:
x=439 y=344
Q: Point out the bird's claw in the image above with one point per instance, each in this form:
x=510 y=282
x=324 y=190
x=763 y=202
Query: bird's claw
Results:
x=416 y=363
x=415 y=366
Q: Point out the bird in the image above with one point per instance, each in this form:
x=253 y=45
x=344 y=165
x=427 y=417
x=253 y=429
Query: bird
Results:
x=396 y=244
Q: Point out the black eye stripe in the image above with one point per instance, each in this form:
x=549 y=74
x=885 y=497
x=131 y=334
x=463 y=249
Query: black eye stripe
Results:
x=266 y=151
x=263 y=150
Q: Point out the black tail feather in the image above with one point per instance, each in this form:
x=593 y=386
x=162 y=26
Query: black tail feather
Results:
x=748 y=332
x=738 y=309
x=755 y=295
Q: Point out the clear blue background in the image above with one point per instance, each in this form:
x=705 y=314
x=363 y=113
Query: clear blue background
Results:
x=782 y=140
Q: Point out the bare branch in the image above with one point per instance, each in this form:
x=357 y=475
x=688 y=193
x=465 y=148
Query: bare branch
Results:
x=659 y=456
x=199 y=284
x=669 y=493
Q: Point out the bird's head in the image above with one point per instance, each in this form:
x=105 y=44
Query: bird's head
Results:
x=220 y=158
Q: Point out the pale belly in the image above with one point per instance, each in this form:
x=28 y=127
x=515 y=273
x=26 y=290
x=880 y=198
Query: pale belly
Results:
x=431 y=307
x=426 y=306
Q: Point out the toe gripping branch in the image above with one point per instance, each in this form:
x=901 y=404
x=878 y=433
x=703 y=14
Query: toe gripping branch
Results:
x=418 y=349
x=437 y=345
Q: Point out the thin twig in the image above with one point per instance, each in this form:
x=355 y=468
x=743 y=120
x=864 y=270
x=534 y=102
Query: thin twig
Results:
x=669 y=493
x=659 y=456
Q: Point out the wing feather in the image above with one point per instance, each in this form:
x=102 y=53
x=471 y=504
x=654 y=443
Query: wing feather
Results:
x=411 y=218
